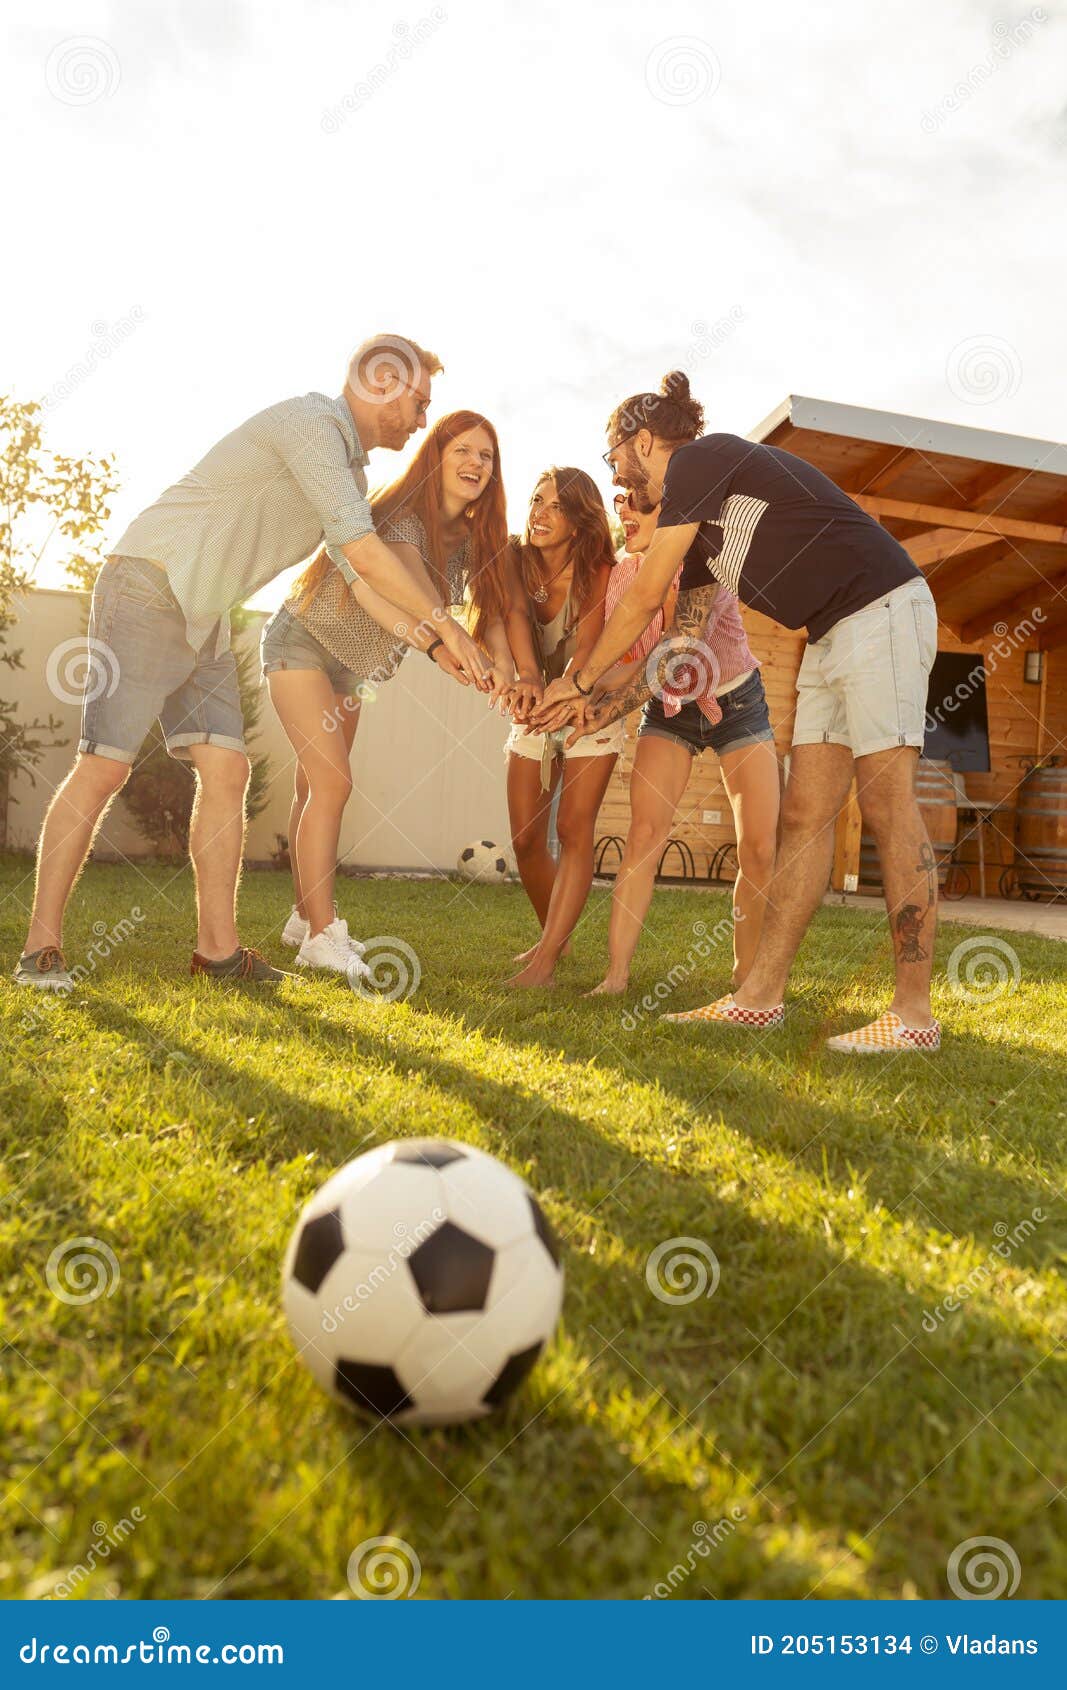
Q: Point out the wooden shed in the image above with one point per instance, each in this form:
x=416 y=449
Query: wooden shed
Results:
x=984 y=515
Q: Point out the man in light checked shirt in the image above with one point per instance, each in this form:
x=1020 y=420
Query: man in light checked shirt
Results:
x=264 y=498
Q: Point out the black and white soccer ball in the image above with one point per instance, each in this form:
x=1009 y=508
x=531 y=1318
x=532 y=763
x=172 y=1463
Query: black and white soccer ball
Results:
x=422 y=1282
x=483 y=861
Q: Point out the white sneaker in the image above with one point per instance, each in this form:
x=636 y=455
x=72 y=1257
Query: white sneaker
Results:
x=295 y=930
x=356 y=946
x=330 y=950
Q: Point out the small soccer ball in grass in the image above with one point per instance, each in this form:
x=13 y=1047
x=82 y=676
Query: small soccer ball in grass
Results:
x=483 y=861
x=422 y=1283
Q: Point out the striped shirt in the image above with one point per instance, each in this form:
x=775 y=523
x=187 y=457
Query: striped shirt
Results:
x=727 y=660
x=264 y=498
x=334 y=616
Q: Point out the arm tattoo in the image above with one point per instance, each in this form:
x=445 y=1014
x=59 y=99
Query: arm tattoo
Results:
x=619 y=703
x=692 y=610
x=690 y=616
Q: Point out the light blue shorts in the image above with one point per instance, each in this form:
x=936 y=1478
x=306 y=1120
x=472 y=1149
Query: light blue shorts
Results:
x=142 y=669
x=286 y=644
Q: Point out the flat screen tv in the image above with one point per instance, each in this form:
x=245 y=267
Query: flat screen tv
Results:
x=957 y=724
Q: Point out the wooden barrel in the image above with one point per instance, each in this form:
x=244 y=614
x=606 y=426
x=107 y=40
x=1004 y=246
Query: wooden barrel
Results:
x=936 y=793
x=1041 y=833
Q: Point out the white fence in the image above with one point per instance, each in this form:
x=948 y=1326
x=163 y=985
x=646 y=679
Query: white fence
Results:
x=428 y=762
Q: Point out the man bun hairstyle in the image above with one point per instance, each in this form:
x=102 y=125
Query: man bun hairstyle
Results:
x=671 y=414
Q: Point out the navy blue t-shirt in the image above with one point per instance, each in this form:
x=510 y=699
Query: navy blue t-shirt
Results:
x=778 y=533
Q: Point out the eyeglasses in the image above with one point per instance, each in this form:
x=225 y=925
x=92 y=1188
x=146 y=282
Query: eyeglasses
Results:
x=610 y=453
x=424 y=404
x=620 y=501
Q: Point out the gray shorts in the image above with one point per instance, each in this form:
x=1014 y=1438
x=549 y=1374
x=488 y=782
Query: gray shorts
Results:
x=142 y=669
x=864 y=683
x=286 y=644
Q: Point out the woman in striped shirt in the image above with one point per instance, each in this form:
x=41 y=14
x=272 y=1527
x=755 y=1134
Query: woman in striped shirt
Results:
x=713 y=700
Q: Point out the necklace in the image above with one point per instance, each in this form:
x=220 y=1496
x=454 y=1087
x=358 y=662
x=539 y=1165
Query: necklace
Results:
x=540 y=594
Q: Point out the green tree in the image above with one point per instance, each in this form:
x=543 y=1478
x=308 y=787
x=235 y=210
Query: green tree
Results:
x=45 y=497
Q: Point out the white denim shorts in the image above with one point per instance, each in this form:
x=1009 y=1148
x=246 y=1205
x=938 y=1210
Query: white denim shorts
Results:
x=608 y=743
x=864 y=683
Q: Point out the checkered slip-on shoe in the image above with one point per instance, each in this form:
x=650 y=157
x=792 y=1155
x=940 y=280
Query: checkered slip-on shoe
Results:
x=888 y=1032
x=726 y=1010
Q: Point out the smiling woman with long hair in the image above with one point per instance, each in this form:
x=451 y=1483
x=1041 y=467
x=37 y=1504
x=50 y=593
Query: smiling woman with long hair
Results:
x=330 y=643
x=563 y=562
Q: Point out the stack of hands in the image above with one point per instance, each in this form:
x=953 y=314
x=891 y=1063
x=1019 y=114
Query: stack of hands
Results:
x=524 y=698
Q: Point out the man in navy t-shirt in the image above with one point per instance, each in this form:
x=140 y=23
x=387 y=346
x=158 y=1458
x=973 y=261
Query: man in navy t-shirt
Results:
x=788 y=541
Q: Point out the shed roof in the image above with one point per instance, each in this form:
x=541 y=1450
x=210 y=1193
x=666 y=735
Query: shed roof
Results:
x=983 y=514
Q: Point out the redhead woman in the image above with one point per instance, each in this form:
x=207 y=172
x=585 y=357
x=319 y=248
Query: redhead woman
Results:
x=330 y=643
x=562 y=565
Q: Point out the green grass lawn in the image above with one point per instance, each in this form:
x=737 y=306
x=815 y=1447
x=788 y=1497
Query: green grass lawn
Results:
x=822 y=1425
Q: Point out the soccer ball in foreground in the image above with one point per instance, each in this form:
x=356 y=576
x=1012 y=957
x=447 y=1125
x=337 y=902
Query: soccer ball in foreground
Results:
x=422 y=1282
x=483 y=861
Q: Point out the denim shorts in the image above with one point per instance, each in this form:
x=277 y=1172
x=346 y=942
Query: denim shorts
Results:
x=745 y=720
x=141 y=669
x=286 y=644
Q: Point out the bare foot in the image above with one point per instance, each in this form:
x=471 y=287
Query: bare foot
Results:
x=536 y=973
x=524 y=956
x=608 y=987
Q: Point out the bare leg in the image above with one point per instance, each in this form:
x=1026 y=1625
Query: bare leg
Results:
x=528 y=808
x=585 y=781
x=660 y=775
x=819 y=779
x=346 y=715
x=301 y=794
x=216 y=842
x=750 y=776
x=885 y=787
x=306 y=705
x=73 y=817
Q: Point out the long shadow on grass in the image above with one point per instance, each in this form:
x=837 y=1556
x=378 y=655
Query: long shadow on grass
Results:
x=858 y=1321
x=775 y=1372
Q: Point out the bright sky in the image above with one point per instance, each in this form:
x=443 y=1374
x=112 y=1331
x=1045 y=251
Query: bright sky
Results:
x=215 y=200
